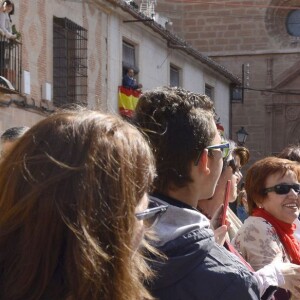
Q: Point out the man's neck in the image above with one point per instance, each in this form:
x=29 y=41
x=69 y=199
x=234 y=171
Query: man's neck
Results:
x=185 y=195
x=210 y=206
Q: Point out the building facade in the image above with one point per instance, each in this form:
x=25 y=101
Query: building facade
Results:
x=77 y=52
x=260 y=42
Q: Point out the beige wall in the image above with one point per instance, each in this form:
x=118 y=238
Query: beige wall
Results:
x=12 y=116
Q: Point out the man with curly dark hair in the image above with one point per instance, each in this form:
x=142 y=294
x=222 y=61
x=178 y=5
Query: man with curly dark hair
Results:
x=189 y=158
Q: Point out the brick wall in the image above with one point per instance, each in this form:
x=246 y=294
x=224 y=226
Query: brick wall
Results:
x=227 y=25
x=247 y=32
x=34 y=19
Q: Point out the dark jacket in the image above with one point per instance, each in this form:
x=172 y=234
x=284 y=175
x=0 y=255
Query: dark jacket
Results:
x=196 y=268
x=129 y=82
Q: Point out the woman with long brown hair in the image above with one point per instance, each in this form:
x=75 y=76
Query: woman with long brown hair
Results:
x=73 y=197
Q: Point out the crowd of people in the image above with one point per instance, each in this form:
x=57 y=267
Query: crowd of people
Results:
x=96 y=207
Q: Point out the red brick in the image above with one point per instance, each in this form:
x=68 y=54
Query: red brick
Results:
x=234 y=27
x=189 y=22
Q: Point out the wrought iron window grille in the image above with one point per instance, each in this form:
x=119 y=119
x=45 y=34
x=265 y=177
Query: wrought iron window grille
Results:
x=69 y=63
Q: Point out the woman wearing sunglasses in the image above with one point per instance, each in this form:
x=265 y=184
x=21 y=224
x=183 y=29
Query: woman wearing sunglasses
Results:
x=272 y=186
x=268 y=276
x=292 y=152
x=73 y=208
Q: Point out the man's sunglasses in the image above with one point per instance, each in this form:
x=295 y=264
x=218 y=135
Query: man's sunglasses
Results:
x=223 y=147
x=233 y=165
x=283 y=189
x=152 y=214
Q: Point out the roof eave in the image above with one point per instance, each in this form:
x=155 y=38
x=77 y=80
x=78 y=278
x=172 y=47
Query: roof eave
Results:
x=176 y=42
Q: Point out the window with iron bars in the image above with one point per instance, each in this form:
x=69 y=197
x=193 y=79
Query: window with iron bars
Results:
x=69 y=63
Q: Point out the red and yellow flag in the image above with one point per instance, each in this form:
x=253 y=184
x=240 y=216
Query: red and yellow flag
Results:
x=128 y=99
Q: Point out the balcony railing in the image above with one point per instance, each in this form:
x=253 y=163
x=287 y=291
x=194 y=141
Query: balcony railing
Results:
x=11 y=62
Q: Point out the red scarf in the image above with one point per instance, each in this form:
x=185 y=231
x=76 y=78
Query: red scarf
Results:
x=285 y=232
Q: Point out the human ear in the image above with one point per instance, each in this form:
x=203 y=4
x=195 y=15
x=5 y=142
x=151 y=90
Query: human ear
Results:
x=259 y=204
x=204 y=162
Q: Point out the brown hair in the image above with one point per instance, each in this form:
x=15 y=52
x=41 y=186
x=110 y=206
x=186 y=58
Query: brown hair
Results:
x=242 y=194
x=68 y=195
x=178 y=125
x=259 y=172
x=9 y=3
x=243 y=153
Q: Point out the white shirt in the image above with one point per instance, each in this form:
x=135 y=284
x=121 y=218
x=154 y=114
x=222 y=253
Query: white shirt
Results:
x=5 y=24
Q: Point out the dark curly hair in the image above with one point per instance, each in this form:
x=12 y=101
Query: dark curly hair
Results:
x=178 y=124
x=292 y=152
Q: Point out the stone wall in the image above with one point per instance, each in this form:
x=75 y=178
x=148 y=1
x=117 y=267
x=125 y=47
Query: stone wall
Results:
x=254 y=32
x=226 y=26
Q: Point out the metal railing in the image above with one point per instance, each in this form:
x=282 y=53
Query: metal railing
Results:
x=11 y=61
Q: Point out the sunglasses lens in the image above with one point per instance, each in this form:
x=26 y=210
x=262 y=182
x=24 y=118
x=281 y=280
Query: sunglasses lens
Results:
x=149 y=222
x=225 y=152
x=296 y=188
x=282 y=189
x=224 y=148
x=285 y=188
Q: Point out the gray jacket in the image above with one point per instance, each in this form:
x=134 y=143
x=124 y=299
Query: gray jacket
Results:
x=196 y=268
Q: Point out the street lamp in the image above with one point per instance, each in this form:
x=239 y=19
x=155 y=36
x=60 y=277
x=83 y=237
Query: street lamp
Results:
x=242 y=136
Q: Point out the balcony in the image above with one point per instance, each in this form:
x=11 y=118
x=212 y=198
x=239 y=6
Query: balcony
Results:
x=10 y=65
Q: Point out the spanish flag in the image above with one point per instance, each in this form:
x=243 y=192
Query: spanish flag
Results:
x=128 y=99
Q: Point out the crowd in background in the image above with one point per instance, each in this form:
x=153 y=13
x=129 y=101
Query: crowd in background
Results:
x=96 y=207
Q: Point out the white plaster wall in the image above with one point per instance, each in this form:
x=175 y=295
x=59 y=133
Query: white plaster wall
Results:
x=154 y=62
x=153 y=55
x=222 y=104
x=193 y=78
x=154 y=58
x=114 y=66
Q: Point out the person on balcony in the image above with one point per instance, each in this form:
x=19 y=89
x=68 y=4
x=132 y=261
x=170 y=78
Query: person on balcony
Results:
x=6 y=10
x=130 y=82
